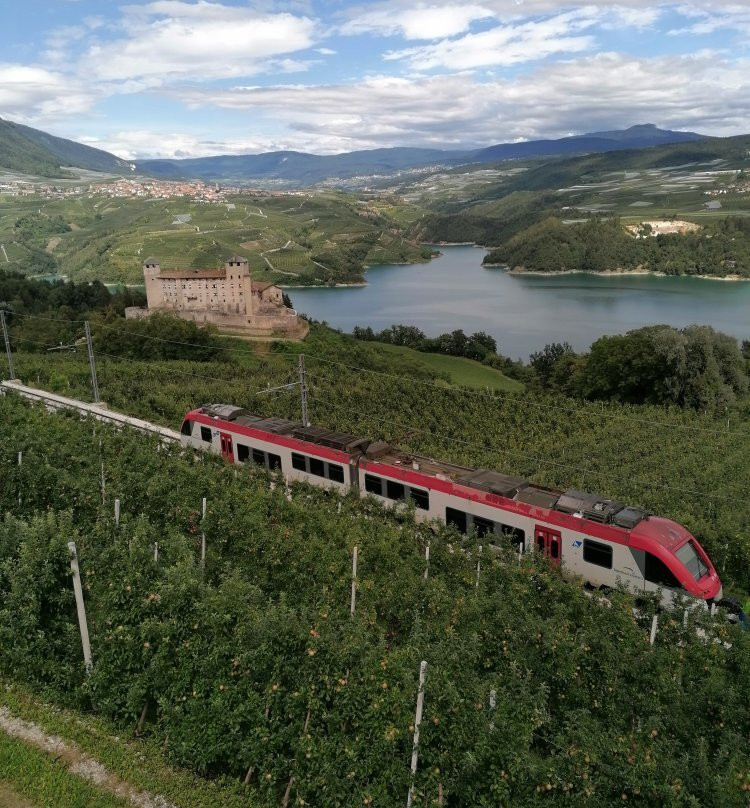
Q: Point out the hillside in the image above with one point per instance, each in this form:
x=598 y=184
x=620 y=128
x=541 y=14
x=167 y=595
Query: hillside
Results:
x=315 y=238
x=30 y=151
x=19 y=154
x=308 y=169
x=721 y=248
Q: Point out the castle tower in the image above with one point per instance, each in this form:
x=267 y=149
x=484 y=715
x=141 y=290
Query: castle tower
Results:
x=239 y=267
x=151 y=272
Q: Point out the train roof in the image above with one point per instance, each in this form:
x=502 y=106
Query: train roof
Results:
x=574 y=502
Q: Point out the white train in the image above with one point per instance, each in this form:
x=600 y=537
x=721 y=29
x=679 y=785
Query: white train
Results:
x=605 y=542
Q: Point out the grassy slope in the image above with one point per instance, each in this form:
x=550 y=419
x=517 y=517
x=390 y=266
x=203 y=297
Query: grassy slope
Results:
x=111 y=237
x=18 y=153
x=462 y=372
x=35 y=777
x=139 y=762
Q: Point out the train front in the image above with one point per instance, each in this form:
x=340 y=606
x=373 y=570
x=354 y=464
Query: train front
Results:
x=678 y=550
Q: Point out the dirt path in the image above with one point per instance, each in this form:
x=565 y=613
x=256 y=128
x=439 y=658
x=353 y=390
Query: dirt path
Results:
x=12 y=799
x=76 y=762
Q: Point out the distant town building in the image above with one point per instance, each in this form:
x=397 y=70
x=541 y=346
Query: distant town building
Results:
x=227 y=298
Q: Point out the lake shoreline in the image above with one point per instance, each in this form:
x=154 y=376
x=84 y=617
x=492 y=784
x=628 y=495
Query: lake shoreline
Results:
x=610 y=273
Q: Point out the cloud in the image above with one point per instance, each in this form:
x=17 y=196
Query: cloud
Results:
x=29 y=93
x=420 y=22
x=505 y=44
x=144 y=144
x=203 y=40
x=600 y=91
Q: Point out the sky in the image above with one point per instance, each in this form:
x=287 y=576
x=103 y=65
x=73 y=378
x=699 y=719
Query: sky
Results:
x=190 y=78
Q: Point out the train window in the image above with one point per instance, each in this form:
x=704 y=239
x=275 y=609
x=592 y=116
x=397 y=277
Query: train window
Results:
x=540 y=542
x=205 y=434
x=335 y=472
x=394 y=490
x=689 y=556
x=657 y=572
x=317 y=467
x=187 y=428
x=554 y=548
x=457 y=519
x=298 y=462
x=274 y=461
x=597 y=553
x=420 y=498
x=373 y=484
x=243 y=452
x=483 y=526
x=259 y=457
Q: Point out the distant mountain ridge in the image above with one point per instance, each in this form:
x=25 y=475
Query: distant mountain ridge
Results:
x=33 y=151
x=308 y=169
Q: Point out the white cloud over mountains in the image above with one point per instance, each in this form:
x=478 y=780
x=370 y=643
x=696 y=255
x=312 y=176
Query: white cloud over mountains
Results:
x=472 y=73
x=603 y=91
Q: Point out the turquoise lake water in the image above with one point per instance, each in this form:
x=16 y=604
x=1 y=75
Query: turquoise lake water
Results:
x=525 y=312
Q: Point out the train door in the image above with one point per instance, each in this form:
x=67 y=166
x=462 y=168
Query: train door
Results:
x=548 y=542
x=227 y=447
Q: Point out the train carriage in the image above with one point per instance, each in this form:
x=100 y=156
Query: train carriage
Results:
x=604 y=542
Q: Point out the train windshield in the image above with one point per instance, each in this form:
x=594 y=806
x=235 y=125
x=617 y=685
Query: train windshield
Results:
x=692 y=559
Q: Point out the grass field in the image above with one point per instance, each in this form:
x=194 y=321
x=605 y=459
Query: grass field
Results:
x=462 y=372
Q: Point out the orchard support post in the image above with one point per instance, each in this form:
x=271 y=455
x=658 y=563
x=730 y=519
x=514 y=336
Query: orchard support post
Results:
x=353 y=600
x=8 y=352
x=417 y=722
x=80 y=607
x=203 y=533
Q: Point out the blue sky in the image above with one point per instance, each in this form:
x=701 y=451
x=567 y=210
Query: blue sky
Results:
x=188 y=78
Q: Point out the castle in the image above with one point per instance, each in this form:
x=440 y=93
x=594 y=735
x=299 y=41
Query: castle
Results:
x=227 y=298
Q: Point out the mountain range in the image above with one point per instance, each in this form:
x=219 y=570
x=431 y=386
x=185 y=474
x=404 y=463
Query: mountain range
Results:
x=32 y=151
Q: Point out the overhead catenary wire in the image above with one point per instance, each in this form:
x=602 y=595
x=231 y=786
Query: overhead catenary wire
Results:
x=518 y=455
x=491 y=396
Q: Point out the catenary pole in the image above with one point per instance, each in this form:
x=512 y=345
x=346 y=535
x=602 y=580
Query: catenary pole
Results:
x=8 y=352
x=303 y=388
x=92 y=363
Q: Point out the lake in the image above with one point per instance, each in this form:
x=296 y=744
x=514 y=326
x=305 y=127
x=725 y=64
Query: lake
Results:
x=525 y=312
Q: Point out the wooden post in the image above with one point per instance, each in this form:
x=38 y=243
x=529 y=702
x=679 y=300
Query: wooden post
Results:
x=80 y=608
x=104 y=488
x=654 y=627
x=493 y=703
x=203 y=534
x=20 y=458
x=479 y=567
x=426 y=561
x=156 y=552
x=117 y=512
x=417 y=722
x=353 y=601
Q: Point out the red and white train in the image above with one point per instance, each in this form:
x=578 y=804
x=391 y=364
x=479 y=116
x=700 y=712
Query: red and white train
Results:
x=603 y=541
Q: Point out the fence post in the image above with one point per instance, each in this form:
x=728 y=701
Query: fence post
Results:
x=80 y=608
x=9 y=354
x=203 y=534
x=427 y=561
x=654 y=627
x=156 y=552
x=417 y=722
x=353 y=601
x=117 y=512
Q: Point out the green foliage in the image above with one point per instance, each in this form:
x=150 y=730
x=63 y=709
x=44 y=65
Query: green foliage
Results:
x=255 y=668
x=601 y=245
x=477 y=346
x=694 y=367
x=160 y=336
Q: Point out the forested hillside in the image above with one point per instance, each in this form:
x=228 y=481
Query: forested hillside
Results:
x=721 y=248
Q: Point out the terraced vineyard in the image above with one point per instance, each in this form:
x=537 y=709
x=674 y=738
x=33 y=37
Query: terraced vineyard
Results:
x=303 y=239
